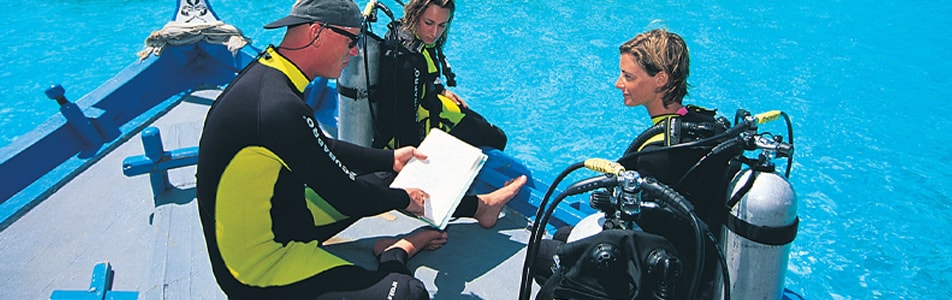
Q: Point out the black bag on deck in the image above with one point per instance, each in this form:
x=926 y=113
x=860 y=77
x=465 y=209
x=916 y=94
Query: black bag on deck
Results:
x=616 y=264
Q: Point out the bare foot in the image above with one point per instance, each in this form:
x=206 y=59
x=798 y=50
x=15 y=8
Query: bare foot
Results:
x=424 y=239
x=490 y=205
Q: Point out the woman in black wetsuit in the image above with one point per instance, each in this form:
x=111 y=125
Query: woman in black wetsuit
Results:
x=412 y=97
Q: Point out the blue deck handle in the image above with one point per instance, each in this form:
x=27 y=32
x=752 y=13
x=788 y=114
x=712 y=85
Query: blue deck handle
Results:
x=157 y=162
x=75 y=118
x=100 y=287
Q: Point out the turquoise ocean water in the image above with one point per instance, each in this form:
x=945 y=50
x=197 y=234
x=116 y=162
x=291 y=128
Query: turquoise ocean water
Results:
x=865 y=83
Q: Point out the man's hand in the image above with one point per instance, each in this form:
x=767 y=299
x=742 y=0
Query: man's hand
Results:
x=402 y=156
x=417 y=198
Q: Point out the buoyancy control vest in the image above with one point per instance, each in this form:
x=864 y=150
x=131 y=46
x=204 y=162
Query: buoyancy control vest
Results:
x=410 y=82
x=704 y=185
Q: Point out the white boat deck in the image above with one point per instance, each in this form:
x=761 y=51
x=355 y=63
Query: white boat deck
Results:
x=155 y=245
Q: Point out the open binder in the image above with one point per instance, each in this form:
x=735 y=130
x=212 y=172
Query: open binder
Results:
x=446 y=174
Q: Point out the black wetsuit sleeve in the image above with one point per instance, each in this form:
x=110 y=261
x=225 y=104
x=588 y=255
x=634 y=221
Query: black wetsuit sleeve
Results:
x=323 y=164
x=361 y=157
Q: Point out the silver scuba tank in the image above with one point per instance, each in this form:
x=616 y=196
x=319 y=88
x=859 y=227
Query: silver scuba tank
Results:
x=756 y=239
x=355 y=120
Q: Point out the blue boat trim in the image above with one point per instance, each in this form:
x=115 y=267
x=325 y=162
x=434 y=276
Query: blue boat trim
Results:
x=41 y=161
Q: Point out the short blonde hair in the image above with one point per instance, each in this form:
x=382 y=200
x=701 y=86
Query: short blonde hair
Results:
x=660 y=50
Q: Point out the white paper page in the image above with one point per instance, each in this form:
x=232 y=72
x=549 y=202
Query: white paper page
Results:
x=446 y=174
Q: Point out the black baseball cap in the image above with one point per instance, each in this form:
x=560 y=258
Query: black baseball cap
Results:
x=333 y=12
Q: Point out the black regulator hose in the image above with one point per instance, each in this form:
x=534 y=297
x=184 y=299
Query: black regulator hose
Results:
x=674 y=199
x=668 y=194
x=786 y=119
x=538 y=230
x=722 y=260
x=386 y=10
x=734 y=145
x=733 y=131
x=365 y=30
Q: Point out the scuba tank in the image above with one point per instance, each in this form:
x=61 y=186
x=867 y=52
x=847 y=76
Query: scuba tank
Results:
x=372 y=106
x=357 y=81
x=354 y=116
x=757 y=237
x=761 y=223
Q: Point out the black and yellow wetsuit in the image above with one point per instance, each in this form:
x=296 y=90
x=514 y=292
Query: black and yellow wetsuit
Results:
x=410 y=103
x=272 y=188
x=705 y=187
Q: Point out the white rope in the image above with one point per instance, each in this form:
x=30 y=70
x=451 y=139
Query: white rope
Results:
x=178 y=33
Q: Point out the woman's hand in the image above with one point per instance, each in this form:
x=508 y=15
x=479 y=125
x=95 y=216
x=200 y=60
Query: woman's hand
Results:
x=402 y=156
x=459 y=101
x=417 y=199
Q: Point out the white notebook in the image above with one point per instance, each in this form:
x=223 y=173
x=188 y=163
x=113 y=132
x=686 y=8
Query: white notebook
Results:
x=446 y=174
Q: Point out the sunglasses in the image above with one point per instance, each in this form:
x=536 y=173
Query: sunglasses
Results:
x=353 y=37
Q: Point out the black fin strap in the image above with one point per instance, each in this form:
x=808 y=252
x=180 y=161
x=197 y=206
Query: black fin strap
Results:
x=774 y=236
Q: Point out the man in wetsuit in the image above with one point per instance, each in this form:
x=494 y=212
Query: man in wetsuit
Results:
x=272 y=188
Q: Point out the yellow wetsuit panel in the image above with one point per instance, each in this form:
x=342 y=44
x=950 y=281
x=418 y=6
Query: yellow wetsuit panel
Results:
x=322 y=211
x=243 y=225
